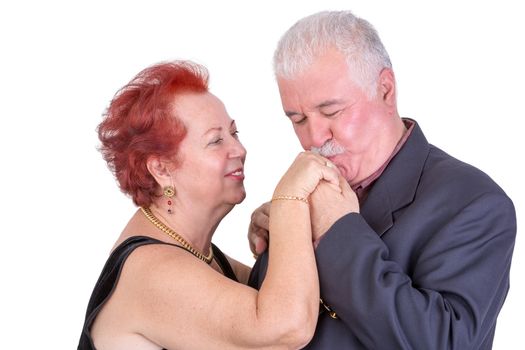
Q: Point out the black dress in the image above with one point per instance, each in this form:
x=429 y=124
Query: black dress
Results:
x=110 y=275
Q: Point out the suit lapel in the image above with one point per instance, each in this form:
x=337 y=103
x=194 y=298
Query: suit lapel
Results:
x=397 y=186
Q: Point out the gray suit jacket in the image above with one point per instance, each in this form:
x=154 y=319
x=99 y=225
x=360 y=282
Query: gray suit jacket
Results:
x=425 y=265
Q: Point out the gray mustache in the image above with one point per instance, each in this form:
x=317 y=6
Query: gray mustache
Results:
x=328 y=149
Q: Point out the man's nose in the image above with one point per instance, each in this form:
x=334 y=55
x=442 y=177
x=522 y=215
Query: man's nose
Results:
x=320 y=131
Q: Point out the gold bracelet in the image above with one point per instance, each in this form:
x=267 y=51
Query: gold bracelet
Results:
x=291 y=198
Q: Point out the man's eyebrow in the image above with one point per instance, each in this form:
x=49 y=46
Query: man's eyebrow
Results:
x=290 y=114
x=327 y=103
x=323 y=104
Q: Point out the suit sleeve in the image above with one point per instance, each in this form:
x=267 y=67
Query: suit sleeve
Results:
x=449 y=299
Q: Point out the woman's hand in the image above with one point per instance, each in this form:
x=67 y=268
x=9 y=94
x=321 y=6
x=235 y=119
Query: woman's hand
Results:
x=301 y=179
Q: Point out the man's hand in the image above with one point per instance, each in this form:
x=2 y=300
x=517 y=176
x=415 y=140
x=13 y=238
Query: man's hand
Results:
x=328 y=203
x=258 y=229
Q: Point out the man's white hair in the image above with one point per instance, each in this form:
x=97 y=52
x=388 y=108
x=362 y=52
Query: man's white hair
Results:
x=354 y=37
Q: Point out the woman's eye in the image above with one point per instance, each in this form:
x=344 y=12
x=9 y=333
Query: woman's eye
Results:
x=216 y=141
x=235 y=134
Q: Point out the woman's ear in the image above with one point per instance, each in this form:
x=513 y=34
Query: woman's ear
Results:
x=159 y=170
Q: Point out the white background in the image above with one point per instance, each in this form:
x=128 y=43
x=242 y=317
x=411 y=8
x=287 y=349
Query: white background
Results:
x=459 y=67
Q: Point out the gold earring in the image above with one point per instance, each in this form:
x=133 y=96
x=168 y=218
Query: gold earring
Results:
x=169 y=192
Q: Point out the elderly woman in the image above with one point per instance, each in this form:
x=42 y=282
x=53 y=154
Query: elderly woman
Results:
x=174 y=149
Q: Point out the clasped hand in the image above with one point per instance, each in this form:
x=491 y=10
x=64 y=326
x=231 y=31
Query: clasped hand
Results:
x=313 y=177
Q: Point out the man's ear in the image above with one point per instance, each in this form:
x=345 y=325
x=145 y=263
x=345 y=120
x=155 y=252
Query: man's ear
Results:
x=387 y=86
x=160 y=171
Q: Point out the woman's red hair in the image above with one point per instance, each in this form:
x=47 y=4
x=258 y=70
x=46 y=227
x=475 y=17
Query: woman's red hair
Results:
x=140 y=123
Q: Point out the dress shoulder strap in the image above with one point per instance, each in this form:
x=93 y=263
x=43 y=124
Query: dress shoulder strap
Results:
x=108 y=281
x=111 y=273
x=223 y=262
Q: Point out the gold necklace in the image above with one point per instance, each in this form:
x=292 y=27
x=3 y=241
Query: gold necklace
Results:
x=167 y=230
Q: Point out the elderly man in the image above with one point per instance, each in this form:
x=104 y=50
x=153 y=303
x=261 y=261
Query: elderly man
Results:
x=419 y=256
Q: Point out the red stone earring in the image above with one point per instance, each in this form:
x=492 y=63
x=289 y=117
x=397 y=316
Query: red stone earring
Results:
x=169 y=192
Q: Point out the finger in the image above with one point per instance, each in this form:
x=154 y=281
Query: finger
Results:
x=327 y=188
x=334 y=187
x=261 y=220
x=265 y=208
x=252 y=240
x=260 y=246
x=346 y=190
x=322 y=160
x=255 y=232
x=261 y=217
x=329 y=164
x=330 y=175
x=330 y=172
